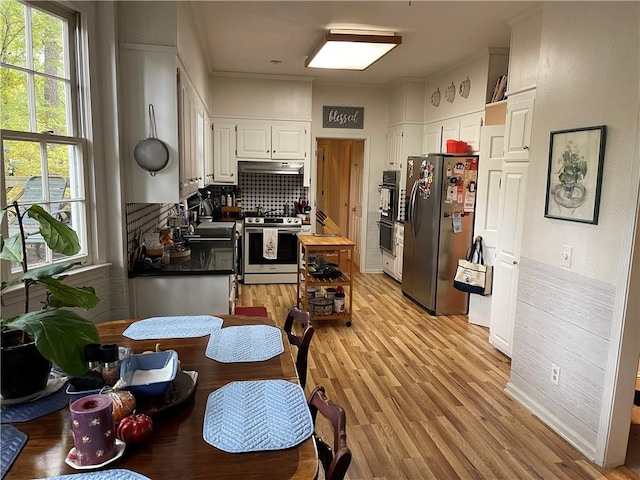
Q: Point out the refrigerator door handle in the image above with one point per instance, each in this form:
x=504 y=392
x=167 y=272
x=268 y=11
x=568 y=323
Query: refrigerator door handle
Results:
x=412 y=205
x=414 y=217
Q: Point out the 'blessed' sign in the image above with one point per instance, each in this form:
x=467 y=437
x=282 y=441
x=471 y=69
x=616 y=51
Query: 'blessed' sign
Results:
x=342 y=117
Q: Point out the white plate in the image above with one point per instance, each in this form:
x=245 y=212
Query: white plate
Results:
x=119 y=452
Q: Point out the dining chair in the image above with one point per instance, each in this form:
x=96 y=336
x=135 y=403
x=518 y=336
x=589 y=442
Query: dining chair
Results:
x=336 y=460
x=301 y=341
x=251 y=311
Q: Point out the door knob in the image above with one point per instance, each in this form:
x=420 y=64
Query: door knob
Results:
x=515 y=263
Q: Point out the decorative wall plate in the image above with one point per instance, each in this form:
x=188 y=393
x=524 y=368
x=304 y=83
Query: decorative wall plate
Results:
x=450 y=93
x=465 y=88
x=435 y=98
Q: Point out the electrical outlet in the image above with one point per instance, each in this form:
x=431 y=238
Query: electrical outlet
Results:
x=565 y=256
x=555 y=374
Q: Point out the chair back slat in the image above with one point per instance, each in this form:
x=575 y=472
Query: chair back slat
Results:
x=303 y=341
x=335 y=460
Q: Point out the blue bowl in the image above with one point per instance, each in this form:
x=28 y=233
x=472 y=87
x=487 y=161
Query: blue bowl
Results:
x=149 y=374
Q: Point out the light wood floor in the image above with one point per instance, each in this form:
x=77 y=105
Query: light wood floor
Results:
x=424 y=395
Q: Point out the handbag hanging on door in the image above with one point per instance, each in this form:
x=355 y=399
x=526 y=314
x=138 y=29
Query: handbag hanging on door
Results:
x=474 y=277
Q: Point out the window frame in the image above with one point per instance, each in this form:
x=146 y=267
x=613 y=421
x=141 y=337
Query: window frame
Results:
x=79 y=125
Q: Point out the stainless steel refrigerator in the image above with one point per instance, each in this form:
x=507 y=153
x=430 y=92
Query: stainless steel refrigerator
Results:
x=438 y=229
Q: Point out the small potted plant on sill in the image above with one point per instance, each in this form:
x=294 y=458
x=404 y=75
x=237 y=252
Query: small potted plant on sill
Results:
x=32 y=341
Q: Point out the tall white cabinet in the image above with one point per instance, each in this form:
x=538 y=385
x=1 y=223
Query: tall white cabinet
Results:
x=525 y=42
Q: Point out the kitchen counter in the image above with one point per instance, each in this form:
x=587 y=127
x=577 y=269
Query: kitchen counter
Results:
x=204 y=260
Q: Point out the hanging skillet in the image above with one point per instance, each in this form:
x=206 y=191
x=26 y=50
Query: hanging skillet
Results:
x=151 y=153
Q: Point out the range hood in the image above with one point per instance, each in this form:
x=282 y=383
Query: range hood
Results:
x=271 y=166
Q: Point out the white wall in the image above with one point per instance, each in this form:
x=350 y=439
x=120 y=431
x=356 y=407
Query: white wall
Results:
x=190 y=51
x=374 y=99
x=589 y=72
x=153 y=23
x=477 y=69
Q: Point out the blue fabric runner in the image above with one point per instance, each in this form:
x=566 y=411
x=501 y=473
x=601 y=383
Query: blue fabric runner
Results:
x=249 y=343
x=256 y=416
x=37 y=408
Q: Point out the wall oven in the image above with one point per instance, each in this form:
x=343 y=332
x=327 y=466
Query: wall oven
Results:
x=388 y=208
x=282 y=269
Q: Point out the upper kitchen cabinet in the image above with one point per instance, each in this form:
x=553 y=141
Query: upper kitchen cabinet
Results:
x=525 y=51
x=517 y=134
x=147 y=76
x=191 y=132
x=406 y=101
x=264 y=140
x=402 y=140
x=225 y=165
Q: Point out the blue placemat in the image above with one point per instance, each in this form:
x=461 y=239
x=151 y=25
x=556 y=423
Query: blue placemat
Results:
x=173 y=327
x=37 y=408
x=255 y=416
x=115 y=474
x=249 y=343
x=12 y=442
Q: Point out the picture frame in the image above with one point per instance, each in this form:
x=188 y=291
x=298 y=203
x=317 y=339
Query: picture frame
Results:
x=574 y=177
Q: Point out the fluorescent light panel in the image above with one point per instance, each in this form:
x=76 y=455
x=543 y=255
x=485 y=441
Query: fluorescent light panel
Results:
x=355 y=50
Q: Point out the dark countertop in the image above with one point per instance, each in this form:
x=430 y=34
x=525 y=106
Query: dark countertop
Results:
x=204 y=260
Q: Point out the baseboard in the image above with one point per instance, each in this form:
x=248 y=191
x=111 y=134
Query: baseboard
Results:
x=586 y=448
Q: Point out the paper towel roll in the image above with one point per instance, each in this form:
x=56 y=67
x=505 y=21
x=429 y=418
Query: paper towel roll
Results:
x=93 y=429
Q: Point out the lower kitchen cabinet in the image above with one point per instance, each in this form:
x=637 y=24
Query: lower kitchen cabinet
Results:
x=155 y=296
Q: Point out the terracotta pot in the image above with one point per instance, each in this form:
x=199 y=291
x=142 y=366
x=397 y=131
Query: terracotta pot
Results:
x=23 y=368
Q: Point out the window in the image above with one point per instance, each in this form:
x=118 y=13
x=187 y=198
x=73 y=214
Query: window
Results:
x=43 y=145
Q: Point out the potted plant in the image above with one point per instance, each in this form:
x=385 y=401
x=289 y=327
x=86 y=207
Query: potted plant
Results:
x=33 y=340
x=573 y=168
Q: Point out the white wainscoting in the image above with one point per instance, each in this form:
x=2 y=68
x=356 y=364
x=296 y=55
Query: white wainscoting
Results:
x=562 y=319
x=95 y=276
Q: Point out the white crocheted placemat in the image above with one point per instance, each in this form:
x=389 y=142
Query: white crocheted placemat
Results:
x=186 y=326
x=248 y=343
x=256 y=416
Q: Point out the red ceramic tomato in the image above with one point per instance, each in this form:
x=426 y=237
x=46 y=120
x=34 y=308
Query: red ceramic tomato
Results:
x=135 y=428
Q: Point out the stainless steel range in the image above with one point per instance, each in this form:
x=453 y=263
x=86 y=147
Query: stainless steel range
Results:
x=278 y=265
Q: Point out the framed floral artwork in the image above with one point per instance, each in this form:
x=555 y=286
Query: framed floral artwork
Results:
x=574 y=178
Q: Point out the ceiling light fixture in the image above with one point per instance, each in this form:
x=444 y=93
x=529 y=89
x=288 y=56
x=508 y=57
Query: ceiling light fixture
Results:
x=351 y=49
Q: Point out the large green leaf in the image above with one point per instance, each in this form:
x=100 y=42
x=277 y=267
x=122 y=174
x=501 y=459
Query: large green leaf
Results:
x=60 y=335
x=12 y=249
x=38 y=273
x=63 y=295
x=59 y=237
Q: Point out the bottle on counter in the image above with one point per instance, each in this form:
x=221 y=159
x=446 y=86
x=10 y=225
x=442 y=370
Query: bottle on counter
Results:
x=229 y=200
x=239 y=198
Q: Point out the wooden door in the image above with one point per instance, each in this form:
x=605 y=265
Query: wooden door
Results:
x=355 y=200
x=324 y=146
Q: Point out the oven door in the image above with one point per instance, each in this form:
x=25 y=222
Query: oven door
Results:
x=287 y=255
x=386 y=236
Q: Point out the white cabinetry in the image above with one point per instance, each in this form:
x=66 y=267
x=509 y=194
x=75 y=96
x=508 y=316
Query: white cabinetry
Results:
x=263 y=140
x=225 y=166
x=402 y=141
x=392 y=264
x=191 y=133
x=208 y=152
x=399 y=250
x=466 y=128
x=148 y=76
x=183 y=295
x=524 y=52
x=517 y=132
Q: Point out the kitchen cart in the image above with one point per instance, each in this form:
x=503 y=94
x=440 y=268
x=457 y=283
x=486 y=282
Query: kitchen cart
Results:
x=312 y=247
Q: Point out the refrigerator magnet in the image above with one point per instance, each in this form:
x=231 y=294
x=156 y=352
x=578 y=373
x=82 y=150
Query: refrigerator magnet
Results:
x=452 y=194
x=458 y=168
x=469 y=201
x=410 y=168
x=457 y=222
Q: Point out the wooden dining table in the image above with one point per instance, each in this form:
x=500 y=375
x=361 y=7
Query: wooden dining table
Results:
x=177 y=448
